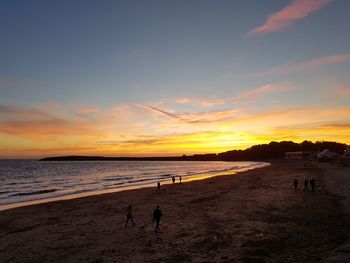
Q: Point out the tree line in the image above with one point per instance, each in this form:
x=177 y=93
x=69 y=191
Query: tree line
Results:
x=275 y=150
x=272 y=150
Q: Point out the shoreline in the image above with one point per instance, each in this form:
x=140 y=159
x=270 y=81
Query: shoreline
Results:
x=166 y=181
x=252 y=216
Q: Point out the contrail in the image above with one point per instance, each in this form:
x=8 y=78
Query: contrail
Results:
x=164 y=112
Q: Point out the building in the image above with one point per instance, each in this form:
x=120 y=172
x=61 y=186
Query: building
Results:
x=327 y=156
x=301 y=155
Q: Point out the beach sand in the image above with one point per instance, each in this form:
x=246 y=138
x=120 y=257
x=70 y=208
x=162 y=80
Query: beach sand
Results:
x=255 y=216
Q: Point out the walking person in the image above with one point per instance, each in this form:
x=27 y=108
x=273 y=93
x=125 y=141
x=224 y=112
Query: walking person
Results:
x=157 y=214
x=180 y=179
x=158 y=186
x=173 y=178
x=306 y=185
x=296 y=185
x=313 y=184
x=129 y=216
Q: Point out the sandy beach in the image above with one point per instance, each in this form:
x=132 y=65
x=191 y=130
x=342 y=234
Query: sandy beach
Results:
x=254 y=216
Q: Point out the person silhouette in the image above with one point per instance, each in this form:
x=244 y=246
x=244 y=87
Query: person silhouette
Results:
x=180 y=179
x=157 y=214
x=295 y=184
x=158 y=186
x=173 y=178
x=313 y=184
x=129 y=216
x=306 y=185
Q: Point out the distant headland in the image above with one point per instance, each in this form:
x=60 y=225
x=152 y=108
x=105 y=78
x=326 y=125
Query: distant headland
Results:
x=272 y=150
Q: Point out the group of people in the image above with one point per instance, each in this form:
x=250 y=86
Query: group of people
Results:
x=157 y=214
x=306 y=184
x=173 y=179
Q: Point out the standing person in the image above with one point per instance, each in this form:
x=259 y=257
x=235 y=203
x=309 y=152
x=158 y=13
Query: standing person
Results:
x=129 y=216
x=173 y=178
x=180 y=179
x=157 y=214
x=306 y=185
x=158 y=186
x=313 y=183
x=295 y=184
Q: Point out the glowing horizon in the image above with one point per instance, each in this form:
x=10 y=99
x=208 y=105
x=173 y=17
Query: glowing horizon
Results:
x=95 y=132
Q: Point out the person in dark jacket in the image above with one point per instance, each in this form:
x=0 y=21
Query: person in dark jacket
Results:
x=313 y=184
x=157 y=214
x=306 y=185
x=295 y=184
x=129 y=216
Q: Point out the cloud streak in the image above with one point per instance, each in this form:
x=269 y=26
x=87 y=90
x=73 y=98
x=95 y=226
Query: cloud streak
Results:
x=21 y=113
x=243 y=96
x=266 y=89
x=285 y=18
x=171 y=115
x=203 y=102
x=309 y=64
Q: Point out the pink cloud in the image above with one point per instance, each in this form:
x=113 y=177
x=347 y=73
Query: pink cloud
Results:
x=23 y=113
x=15 y=83
x=344 y=91
x=90 y=110
x=310 y=64
x=339 y=93
x=266 y=89
x=213 y=116
x=35 y=123
x=251 y=94
x=183 y=101
x=203 y=102
x=284 y=18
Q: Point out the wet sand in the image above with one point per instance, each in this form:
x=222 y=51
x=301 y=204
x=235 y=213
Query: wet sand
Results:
x=255 y=216
x=337 y=180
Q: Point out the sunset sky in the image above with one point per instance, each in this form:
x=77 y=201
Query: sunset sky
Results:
x=141 y=78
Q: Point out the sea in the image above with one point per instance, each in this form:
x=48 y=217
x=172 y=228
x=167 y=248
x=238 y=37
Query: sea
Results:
x=26 y=182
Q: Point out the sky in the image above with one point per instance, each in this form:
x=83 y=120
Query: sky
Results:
x=160 y=77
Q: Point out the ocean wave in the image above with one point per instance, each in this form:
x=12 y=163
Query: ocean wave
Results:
x=166 y=175
x=5 y=192
x=116 y=178
x=39 y=192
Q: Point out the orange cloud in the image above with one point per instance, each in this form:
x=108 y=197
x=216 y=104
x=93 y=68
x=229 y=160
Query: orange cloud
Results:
x=212 y=116
x=338 y=127
x=331 y=132
x=180 y=143
x=310 y=64
x=33 y=122
x=286 y=17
